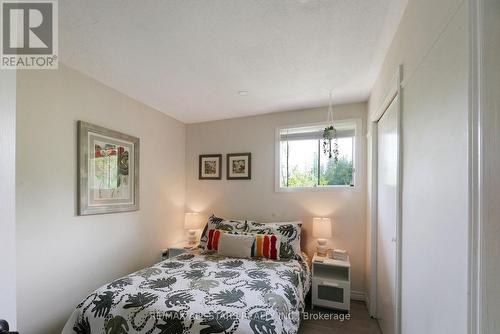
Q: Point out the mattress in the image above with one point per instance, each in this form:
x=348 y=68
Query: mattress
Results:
x=199 y=293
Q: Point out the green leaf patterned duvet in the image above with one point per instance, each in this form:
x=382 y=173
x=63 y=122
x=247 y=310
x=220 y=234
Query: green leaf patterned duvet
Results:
x=199 y=293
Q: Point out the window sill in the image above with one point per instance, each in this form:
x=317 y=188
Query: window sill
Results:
x=312 y=189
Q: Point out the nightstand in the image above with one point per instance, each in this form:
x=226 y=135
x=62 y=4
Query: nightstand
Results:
x=331 y=283
x=177 y=249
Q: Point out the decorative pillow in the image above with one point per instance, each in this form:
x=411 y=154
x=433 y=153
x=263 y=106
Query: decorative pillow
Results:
x=288 y=232
x=216 y=223
x=266 y=245
x=236 y=245
x=213 y=239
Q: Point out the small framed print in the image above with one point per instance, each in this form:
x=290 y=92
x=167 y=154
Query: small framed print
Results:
x=210 y=167
x=239 y=166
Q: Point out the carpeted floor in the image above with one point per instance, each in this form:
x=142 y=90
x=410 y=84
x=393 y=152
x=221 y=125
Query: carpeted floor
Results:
x=337 y=322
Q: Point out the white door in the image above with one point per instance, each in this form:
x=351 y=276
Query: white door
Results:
x=386 y=217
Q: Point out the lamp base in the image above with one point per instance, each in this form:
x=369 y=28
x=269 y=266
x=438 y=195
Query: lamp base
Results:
x=192 y=237
x=321 y=248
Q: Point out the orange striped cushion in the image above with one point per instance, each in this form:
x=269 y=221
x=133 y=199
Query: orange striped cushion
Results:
x=264 y=245
x=267 y=246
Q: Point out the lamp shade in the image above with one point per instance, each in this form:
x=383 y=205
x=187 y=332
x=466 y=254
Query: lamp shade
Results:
x=322 y=228
x=192 y=220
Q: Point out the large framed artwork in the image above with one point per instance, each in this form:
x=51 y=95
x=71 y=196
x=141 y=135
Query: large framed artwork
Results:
x=210 y=167
x=108 y=170
x=239 y=166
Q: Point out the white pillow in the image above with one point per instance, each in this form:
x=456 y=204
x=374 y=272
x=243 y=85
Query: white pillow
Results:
x=236 y=245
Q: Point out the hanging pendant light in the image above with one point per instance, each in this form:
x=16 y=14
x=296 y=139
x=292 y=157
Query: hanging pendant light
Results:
x=330 y=144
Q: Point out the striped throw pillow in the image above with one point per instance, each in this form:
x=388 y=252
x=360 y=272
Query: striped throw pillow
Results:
x=264 y=245
x=288 y=232
x=267 y=246
x=213 y=239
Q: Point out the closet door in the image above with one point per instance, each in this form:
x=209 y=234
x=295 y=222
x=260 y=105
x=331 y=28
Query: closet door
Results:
x=387 y=218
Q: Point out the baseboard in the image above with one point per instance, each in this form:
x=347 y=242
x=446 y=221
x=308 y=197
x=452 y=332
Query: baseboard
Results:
x=358 y=296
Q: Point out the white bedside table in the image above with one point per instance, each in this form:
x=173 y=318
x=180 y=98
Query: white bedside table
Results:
x=177 y=249
x=331 y=283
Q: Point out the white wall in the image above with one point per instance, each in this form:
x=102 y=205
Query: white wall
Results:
x=7 y=197
x=62 y=257
x=432 y=44
x=490 y=140
x=257 y=199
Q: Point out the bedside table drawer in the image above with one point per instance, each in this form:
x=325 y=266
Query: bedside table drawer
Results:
x=331 y=293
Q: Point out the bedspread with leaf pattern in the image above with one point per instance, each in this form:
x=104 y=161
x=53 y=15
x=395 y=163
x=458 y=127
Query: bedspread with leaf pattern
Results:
x=199 y=293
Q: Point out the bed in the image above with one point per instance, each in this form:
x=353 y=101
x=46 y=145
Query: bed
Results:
x=199 y=293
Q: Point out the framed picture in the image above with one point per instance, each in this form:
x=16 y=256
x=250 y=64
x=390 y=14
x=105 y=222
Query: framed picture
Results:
x=210 y=167
x=108 y=170
x=239 y=166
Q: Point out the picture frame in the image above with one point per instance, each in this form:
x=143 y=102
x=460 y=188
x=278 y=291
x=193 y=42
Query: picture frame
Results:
x=108 y=170
x=210 y=167
x=239 y=166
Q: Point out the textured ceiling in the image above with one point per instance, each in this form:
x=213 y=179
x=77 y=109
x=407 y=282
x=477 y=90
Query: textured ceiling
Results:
x=189 y=58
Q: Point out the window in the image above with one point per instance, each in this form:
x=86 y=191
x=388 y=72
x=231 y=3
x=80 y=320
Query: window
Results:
x=302 y=164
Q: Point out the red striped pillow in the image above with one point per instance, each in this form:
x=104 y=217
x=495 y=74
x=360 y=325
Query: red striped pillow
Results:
x=267 y=246
x=264 y=245
x=213 y=239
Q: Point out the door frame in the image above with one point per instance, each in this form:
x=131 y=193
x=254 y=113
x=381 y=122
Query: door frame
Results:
x=394 y=94
x=8 y=307
x=481 y=132
x=474 y=302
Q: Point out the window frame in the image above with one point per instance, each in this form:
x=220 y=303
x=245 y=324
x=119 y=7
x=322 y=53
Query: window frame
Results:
x=357 y=122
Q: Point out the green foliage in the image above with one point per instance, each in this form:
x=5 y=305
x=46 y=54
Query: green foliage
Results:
x=337 y=173
x=299 y=178
x=334 y=170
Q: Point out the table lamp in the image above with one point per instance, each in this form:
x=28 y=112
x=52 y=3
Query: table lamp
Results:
x=192 y=222
x=322 y=229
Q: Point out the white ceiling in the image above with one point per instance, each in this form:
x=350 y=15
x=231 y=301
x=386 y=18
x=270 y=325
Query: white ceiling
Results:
x=189 y=58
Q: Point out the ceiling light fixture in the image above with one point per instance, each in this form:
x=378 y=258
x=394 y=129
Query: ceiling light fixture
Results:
x=243 y=93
